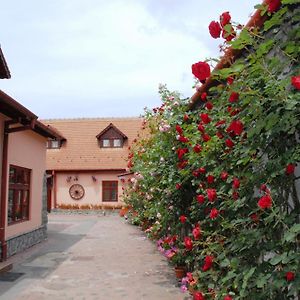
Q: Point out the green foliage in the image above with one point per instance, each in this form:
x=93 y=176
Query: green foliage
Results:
x=253 y=246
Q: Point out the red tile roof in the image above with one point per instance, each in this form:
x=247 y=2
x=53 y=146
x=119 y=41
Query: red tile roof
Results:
x=81 y=150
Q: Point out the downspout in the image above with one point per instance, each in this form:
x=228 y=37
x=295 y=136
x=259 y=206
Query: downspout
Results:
x=54 y=189
x=3 y=196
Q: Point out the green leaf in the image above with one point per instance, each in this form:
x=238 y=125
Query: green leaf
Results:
x=295 y=228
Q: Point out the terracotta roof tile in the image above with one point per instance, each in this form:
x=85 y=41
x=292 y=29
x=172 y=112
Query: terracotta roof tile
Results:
x=81 y=150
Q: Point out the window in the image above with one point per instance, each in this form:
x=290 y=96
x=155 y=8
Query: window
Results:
x=109 y=191
x=53 y=144
x=111 y=143
x=18 y=194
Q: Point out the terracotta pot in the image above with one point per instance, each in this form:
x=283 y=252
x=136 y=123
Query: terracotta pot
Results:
x=180 y=272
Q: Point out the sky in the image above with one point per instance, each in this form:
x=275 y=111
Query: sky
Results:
x=96 y=58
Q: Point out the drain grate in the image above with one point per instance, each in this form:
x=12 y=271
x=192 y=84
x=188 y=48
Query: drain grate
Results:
x=10 y=276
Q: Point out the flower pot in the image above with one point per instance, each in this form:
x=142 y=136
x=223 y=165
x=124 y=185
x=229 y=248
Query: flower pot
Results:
x=180 y=272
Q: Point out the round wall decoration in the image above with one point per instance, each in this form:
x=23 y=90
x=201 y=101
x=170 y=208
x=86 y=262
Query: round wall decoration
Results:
x=76 y=191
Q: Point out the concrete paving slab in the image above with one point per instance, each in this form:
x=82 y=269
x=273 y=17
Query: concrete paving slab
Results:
x=92 y=257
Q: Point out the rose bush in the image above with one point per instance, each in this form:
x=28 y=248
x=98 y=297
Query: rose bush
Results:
x=223 y=178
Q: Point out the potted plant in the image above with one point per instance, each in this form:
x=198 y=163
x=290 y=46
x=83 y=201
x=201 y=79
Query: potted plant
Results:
x=178 y=260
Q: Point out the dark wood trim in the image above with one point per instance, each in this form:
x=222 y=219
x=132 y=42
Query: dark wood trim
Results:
x=17 y=129
x=86 y=171
x=3 y=196
x=54 y=189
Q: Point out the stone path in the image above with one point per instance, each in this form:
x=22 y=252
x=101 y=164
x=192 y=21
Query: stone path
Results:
x=91 y=257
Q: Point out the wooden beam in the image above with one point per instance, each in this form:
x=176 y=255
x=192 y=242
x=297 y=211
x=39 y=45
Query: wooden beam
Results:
x=16 y=129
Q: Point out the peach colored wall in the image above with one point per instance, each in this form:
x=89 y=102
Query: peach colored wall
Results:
x=2 y=119
x=28 y=149
x=93 y=190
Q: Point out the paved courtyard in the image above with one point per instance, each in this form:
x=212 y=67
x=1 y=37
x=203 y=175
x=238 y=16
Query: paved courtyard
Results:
x=91 y=257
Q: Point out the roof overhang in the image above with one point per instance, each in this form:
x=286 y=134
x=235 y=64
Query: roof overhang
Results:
x=4 y=71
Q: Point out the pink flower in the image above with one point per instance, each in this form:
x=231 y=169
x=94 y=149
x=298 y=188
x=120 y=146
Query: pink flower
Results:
x=188 y=243
x=201 y=70
x=295 y=80
x=182 y=219
x=211 y=194
x=290 y=276
x=265 y=202
x=214 y=213
x=215 y=29
x=290 y=168
x=234 y=97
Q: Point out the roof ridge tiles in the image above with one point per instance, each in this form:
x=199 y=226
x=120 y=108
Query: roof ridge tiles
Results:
x=91 y=119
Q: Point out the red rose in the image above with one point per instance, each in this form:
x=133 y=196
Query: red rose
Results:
x=178 y=186
x=181 y=152
x=197 y=148
x=235 y=183
x=209 y=105
x=213 y=213
x=215 y=29
x=290 y=276
x=265 y=202
x=188 y=243
x=198 y=296
x=203 y=96
x=229 y=143
x=290 y=168
x=202 y=170
x=196 y=232
x=235 y=195
x=208 y=262
x=201 y=70
x=185 y=117
x=182 y=164
x=195 y=173
x=227 y=297
x=219 y=135
x=200 y=199
x=220 y=123
x=295 y=80
x=234 y=97
x=210 y=179
x=179 y=129
x=254 y=217
x=205 y=137
x=225 y=18
x=183 y=139
x=205 y=118
x=201 y=127
x=228 y=34
x=211 y=194
x=273 y=5
x=236 y=127
x=182 y=219
x=230 y=80
x=224 y=175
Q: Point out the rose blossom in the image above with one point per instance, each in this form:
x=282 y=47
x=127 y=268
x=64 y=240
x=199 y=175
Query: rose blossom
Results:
x=200 y=198
x=211 y=194
x=196 y=232
x=234 y=97
x=215 y=29
x=188 y=243
x=227 y=297
x=224 y=175
x=209 y=105
x=236 y=127
x=182 y=219
x=290 y=168
x=197 y=148
x=210 y=179
x=214 y=213
x=201 y=70
x=295 y=80
x=203 y=96
x=265 y=202
x=225 y=18
x=208 y=262
x=229 y=143
x=290 y=276
x=198 y=296
x=205 y=118
x=235 y=183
